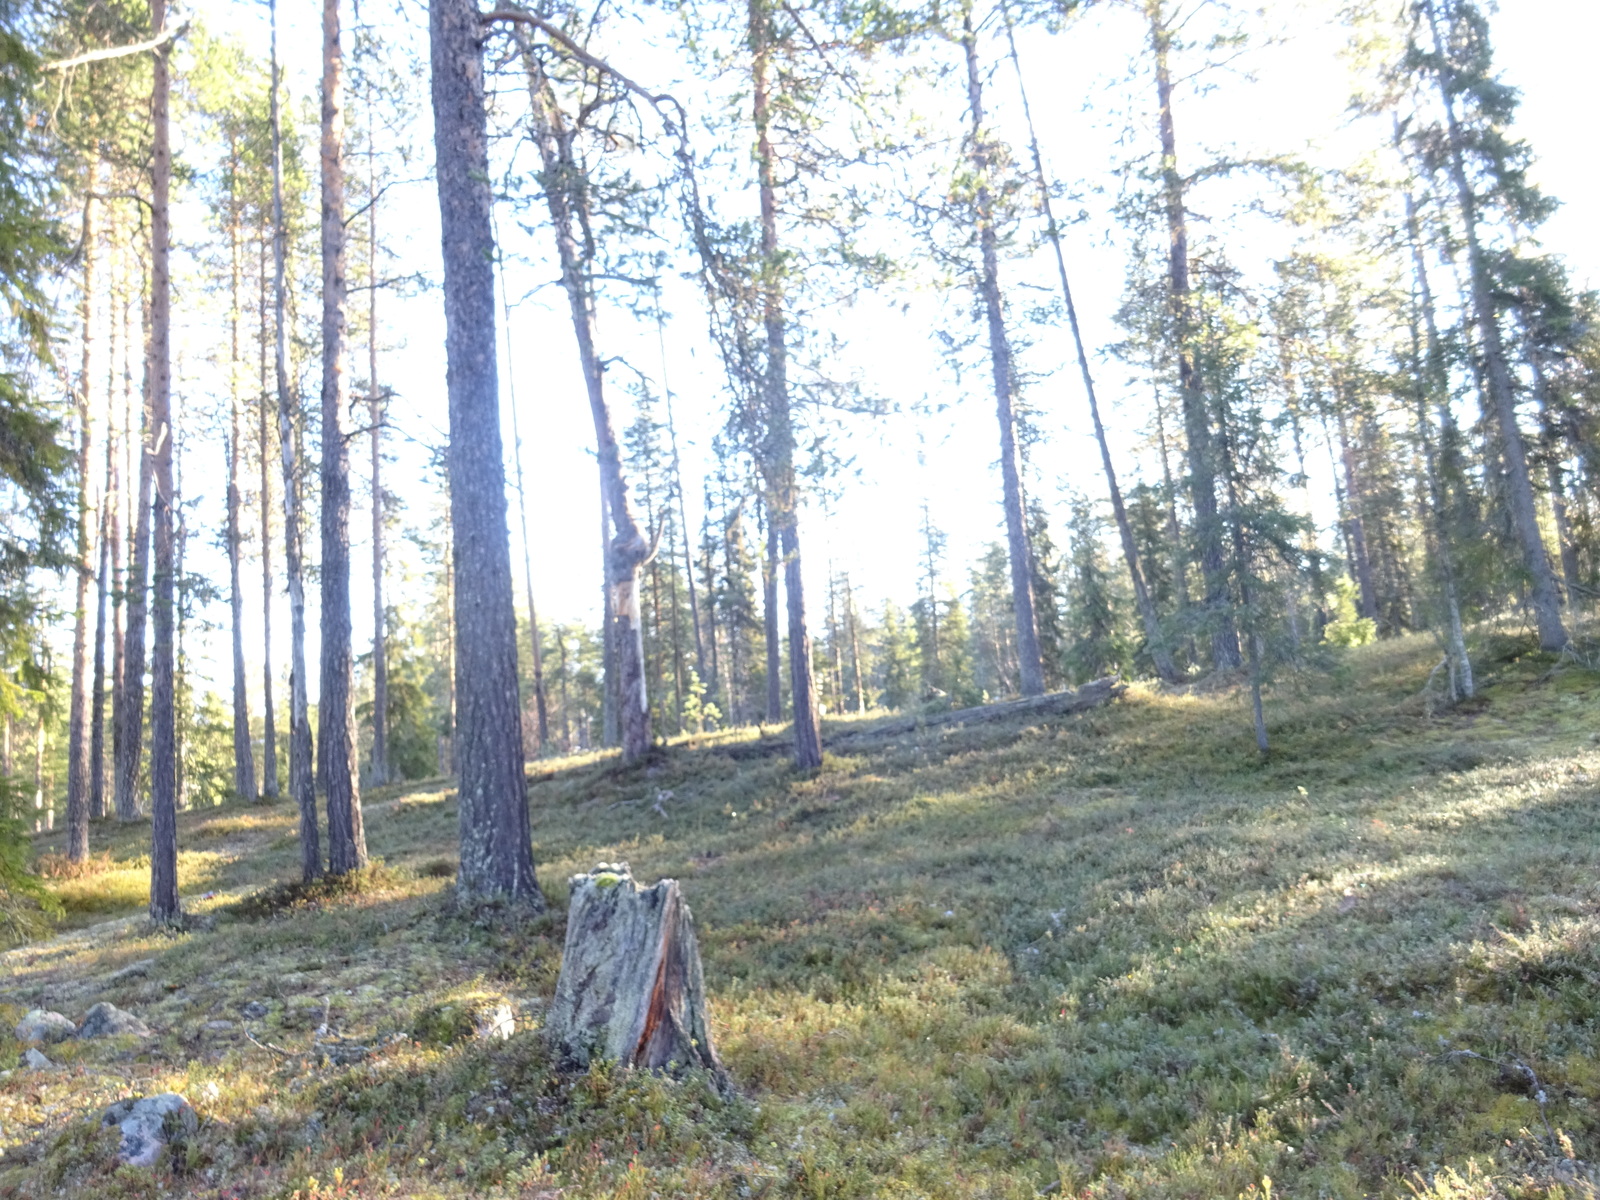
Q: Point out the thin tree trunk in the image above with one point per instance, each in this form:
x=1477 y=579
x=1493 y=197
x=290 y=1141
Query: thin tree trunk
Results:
x=1565 y=542
x=1155 y=637
x=784 y=497
x=126 y=768
x=769 y=615
x=269 y=720
x=338 y=752
x=683 y=504
x=1355 y=527
x=302 y=784
x=855 y=646
x=1524 y=515
x=42 y=820
x=608 y=648
x=78 y=764
x=496 y=843
x=380 y=643
x=164 y=908
x=1197 y=425
x=1022 y=599
x=628 y=549
x=97 y=714
x=244 y=766
x=120 y=436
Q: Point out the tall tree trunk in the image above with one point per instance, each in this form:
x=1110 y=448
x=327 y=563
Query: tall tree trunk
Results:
x=769 y=618
x=1155 y=636
x=43 y=819
x=784 y=494
x=122 y=436
x=380 y=641
x=683 y=504
x=269 y=718
x=496 y=842
x=302 y=783
x=629 y=550
x=535 y=646
x=855 y=646
x=78 y=719
x=1021 y=556
x=130 y=753
x=338 y=761
x=244 y=765
x=164 y=908
x=608 y=647
x=1197 y=424
x=1355 y=527
x=97 y=698
x=1546 y=598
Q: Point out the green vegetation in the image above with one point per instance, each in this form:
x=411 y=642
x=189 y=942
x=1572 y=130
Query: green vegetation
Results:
x=1115 y=951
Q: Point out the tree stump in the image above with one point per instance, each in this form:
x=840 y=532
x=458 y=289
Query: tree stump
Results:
x=631 y=989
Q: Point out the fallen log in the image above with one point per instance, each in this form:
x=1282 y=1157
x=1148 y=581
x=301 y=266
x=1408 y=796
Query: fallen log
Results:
x=631 y=988
x=1056 y=704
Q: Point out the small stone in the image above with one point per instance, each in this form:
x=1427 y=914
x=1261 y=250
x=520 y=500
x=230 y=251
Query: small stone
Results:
x=35 y=1060
x=497 y=1022
x=254 y=1010
x=46 y=1027
x=150 y=1123
x=106 y=1020
x=219 y=1026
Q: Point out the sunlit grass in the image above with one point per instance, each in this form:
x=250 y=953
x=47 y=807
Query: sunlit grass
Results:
x=1116 y=953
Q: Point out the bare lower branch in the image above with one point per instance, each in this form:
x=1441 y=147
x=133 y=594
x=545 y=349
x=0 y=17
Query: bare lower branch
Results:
x=110 y=52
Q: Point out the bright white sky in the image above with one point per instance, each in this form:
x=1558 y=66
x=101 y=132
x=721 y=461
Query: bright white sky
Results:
x=1082 y=93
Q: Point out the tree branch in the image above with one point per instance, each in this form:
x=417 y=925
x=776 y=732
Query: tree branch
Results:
x=110 y=52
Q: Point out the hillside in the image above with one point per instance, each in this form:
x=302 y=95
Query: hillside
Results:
x=1105 y=955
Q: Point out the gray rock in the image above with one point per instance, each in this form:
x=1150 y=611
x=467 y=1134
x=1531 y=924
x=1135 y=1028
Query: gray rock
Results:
x=253 y=1011
x=149 y=1124
x=496 y=1022
x=35 y=1060
x=218 y=1026
x=134 y=970
x=42 y=1026
x=107 y=1020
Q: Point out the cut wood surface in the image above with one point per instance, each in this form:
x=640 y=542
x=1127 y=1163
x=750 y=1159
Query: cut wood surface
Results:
x=631 y=988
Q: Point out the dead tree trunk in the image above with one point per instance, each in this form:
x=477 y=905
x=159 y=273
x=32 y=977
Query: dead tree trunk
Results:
x=1546 y=596
x=1197 y=424
x=631 y=989
x=1031 y=666
x=628 y=550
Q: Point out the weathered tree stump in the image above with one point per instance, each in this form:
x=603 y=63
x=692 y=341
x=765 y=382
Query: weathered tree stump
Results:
x=631 y=989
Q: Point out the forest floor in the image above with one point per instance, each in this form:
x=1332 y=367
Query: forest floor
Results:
x=1104 y=955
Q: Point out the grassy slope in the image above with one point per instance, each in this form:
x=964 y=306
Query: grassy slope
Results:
x=1113 y=951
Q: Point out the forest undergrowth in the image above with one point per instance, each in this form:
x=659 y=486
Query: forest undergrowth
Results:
x=1106 y=955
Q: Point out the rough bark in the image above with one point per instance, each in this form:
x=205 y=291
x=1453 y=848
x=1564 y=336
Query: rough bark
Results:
x=1031 y=667
x=1197 y=424
x=131 y=716
x=769 y=621
x=83 y=564
x=302 y=785
x=244 y=764
x=121 y=435
x=380 y=643
x=783 y=489
x=1155 y=636
x=496 y=846
x=164 y=908
x=628 y=549
x=1545 y=596
x=269 y=718
x=631 y=989
x=97 y=692
x=338 y=763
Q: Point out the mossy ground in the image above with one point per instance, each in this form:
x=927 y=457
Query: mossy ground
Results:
x=1113 y=954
